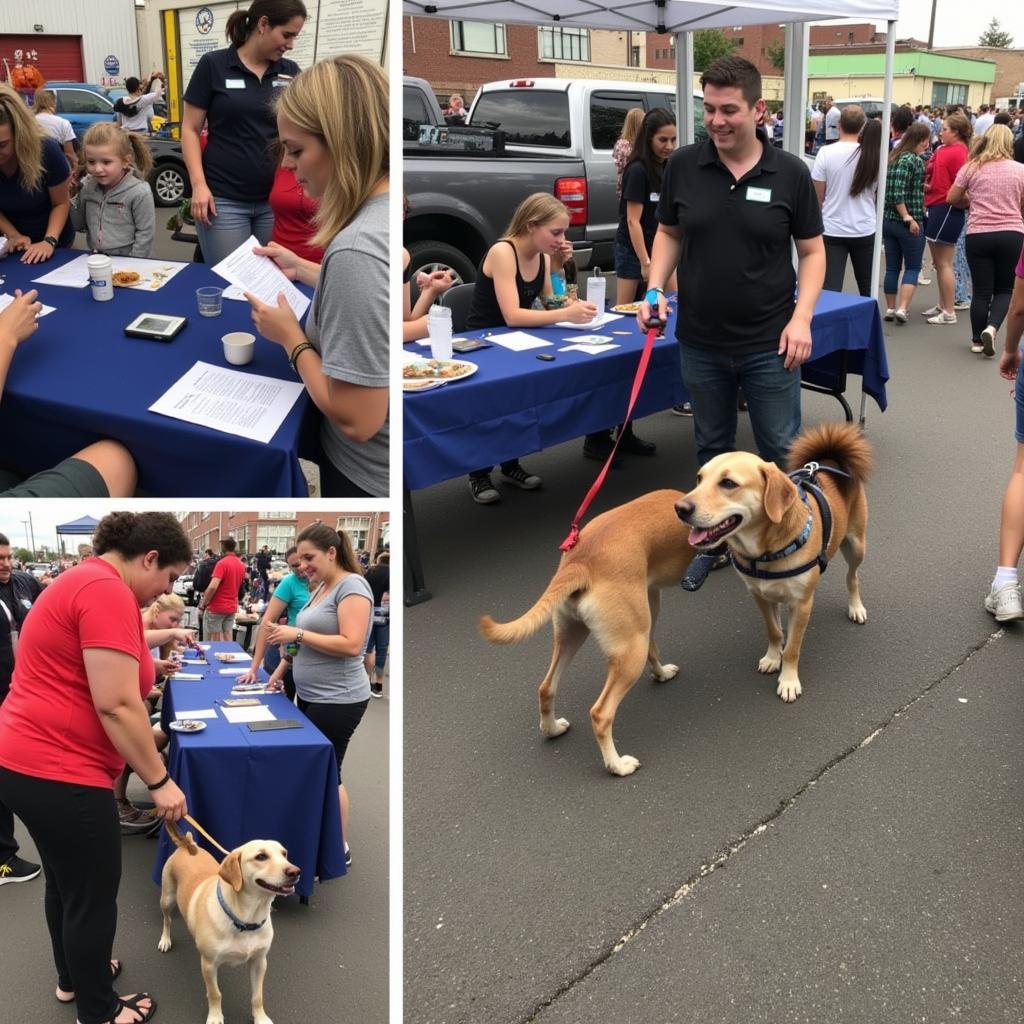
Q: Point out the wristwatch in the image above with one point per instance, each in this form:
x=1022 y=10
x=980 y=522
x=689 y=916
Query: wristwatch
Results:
x=53 y=241
x=298 y=636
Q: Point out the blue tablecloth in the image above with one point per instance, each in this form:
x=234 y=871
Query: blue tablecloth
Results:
x=515 y=404
x=243 y=785
x=79 y=379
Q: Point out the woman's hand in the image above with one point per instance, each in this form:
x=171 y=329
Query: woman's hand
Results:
x=18 y=320
x=203 y=205
x=915 y=228
x=1009 y=363
x=276 y=323
x=436 y=283
x=278 y=634
x=580 y=312
x=37 y=252
x=287 y=262
x=169 y=802
x=165 y=667
x=18 y=243
x=250 y=675
x=184 y=636
x=558 y=259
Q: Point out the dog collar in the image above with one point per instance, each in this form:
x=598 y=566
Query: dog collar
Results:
x=242 y=926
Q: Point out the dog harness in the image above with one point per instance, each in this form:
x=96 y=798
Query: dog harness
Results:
x=804 y=478
x=242 y=926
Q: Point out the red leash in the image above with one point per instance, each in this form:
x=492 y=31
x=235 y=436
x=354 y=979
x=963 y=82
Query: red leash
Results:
x=641 y=371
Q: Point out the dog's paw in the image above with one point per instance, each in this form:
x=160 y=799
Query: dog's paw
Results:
x=215 y=1018
x=789 y=690
x=555 y=728
x=164 y=944
x=858 y=613
x=771 y=662
x=665 y=673
x=625 y=765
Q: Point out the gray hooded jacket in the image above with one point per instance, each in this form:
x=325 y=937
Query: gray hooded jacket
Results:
x=120 y=221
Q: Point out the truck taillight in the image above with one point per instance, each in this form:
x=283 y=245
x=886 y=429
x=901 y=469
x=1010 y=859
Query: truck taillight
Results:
x=521 y=83
x=573 y=193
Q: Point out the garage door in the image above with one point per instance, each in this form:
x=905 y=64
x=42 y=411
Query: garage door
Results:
x=59 y=58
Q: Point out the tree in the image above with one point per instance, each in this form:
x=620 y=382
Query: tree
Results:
x=709 y=44
x=23 y=555
x=995 y=36
x=776 y=53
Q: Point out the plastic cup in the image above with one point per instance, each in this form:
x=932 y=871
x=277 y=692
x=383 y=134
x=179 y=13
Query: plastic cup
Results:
x=209 y=301
x=239 y=347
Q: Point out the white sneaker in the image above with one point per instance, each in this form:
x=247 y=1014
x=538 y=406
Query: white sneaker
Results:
x=889 y=314
x=931 y=311
x=901 y=316
x=1005 y=603
x=924 y=280
x=976 y=347
x=988 y=340
x=962 y=305
x=942 y=318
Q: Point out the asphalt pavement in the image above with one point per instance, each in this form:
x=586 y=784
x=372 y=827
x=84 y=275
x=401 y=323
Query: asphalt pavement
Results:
x=855 y=856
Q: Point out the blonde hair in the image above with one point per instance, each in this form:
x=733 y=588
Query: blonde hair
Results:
x=44 y=102
x=631 y=126
x=995 y=144
x=344 y=102
x=164 y=603
x=539 y=208
x=27 y=135
x=126 y=144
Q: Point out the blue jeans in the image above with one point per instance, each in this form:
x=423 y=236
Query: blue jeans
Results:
x=234 y=223
x=901 y=247
x=772 y=392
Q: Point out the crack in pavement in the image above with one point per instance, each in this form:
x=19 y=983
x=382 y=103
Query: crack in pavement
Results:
x=735 y=845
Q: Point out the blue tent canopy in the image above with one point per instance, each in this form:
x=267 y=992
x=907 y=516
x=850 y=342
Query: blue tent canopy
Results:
x=84 y=526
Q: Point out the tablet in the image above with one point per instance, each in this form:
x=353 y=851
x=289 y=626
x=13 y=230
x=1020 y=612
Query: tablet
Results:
x=279 y=723
x=155 y=326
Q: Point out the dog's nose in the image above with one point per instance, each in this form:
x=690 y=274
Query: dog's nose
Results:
x=685 y=508
x=292 y=872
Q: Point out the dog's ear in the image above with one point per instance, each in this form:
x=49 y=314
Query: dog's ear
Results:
x=231 y=870
x=779 y=492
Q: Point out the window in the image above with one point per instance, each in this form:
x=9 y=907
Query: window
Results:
x=80 y=101
x=669 y=102
x=945 y=93
x=564 y=43
x=357 y=528
x=478 y=37
x=414 y=113
x=634 y=56
x=277 y=515
x=276 y=537
x=527 y=117
x=607 y=114
x=241 y=537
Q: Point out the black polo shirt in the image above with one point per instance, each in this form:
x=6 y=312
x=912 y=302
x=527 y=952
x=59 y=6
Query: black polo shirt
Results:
x=637 y=188
x=736 y=276
x=239 y=160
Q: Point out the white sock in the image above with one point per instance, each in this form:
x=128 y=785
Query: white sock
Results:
x=1004 y=574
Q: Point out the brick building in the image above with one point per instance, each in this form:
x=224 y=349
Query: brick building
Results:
x=251 y=530
x=845 y=35
x=1009 y=66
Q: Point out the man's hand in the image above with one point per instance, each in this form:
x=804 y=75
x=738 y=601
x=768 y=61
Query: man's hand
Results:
x=1009 y=363
x=643 y=314
x=795 y=343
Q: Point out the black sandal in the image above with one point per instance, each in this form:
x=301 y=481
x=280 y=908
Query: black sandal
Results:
x=115 y=971
x=133 y=1005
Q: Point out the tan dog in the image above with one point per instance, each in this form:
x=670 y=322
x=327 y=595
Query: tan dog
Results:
x=609 y=584
x=249 y=879
x=756 y=509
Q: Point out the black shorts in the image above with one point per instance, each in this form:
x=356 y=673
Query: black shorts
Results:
x=71 y=478
x=943 y=223
x=336 y=721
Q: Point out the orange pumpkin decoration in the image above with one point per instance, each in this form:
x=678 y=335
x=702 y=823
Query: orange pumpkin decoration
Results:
x=27 y=77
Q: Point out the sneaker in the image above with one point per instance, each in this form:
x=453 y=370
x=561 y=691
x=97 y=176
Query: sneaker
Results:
x=1004 y=603
x=889 y=314
x=942 y=318
x=988 y=340
x=976 y=347
x=17 y=870
x=901 y=316
x=518 y=477
x=483 y=491
x=633 y=444
x=132 y=819
x=966 y=304
x=376 y=689
x=682 y=410
x=924 y=280
x=931 y=311
x=348 y=856
x=598 y=447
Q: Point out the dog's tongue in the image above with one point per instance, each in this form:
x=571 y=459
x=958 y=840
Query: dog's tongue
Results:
x=697 y=535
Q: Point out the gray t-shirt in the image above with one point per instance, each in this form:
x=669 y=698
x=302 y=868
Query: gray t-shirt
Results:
x=326 y=678
x=348 y=324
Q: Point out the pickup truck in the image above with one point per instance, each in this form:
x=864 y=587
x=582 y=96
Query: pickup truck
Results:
x=461 y=198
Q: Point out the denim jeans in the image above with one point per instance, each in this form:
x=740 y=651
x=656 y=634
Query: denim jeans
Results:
x=901 y=247
x=234 y=223
x=772 y=392
x=961 y=271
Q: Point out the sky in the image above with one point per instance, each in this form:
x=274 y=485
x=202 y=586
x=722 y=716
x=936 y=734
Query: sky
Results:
x=954 y=27
x=14 y=516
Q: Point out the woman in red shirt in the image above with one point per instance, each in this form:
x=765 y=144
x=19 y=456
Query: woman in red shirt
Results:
x=74 y=716
x=293 y=216
x=944 y=223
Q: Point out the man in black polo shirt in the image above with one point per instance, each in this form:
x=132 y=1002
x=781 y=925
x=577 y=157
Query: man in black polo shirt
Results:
x=730 y=208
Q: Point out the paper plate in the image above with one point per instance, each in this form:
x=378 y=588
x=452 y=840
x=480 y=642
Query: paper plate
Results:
x=188 y=725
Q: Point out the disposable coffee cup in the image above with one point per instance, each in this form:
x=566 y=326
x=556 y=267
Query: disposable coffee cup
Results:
x=101 y=277
x=239 y=347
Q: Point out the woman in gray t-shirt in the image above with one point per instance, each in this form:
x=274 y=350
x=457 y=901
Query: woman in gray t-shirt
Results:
x=329 y=637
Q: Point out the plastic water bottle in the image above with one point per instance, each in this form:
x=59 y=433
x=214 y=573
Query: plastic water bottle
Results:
x=101 y=276
x=596 y=285
x=439 y=330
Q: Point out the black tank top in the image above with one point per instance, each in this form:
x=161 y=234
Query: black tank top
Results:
x=484 y=310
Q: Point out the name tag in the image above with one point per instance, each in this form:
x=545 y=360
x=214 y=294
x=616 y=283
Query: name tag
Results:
x=655 y=197
x=234 y=83
x=280 y=81
x=758 y=195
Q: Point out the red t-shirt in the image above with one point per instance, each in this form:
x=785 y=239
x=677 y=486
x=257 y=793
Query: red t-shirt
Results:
x=230 y=571
x=49 y=728
x=942 y=169
x=293 y=216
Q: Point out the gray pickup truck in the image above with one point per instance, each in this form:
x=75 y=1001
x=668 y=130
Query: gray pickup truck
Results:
x=461 y=199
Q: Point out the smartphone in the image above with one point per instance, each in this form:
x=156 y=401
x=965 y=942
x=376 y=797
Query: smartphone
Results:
x=469 y=345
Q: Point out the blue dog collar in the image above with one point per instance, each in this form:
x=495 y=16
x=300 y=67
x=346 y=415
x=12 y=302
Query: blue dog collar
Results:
x=242 y=926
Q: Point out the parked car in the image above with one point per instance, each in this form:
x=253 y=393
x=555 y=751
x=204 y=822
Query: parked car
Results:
x=184 y=589
x=278 y=569
x=169 y=177
x=82 y=104
x=38 y=569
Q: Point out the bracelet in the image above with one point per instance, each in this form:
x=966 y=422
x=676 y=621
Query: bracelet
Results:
x=162 y=782
x=53 y=241
x=297 y=351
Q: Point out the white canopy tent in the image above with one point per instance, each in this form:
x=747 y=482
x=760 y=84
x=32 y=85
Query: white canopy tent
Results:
x=683 y=17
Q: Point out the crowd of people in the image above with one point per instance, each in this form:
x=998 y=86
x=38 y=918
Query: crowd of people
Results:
x=84 y=659
x=298 y=160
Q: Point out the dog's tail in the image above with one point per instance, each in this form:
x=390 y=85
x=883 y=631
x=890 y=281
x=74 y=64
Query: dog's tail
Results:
x=568 y=580
x=182 y=841
x=841 y=443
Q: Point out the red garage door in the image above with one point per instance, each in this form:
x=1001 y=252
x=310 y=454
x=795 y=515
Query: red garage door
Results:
x=59 y=58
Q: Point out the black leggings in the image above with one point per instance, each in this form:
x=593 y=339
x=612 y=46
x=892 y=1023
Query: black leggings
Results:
x=992 y=257
x=861 y=251
x=75 y=829
x=337 y=722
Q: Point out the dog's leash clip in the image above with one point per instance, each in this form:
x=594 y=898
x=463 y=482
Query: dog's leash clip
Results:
x=571 y=541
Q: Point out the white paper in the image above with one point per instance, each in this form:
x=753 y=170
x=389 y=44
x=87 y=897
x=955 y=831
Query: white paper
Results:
x=591 y=350
x=260 y=276
x=185 y=675
x=234 y=292
x=261 y=713
x=6 y=299
x=153 y=274
x=240 y=671
x=589 y=339
x=243 y=404
x=518 y=341
x=599 y=321
x=181 y=716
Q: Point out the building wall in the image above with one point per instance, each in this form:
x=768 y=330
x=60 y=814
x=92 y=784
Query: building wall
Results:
x=1009 y=66
x=844 y=35
x=754 y=41
x=205 y=529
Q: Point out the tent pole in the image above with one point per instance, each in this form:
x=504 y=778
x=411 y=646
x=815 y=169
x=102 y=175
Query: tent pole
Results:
x=684 y=88
x=794 y=102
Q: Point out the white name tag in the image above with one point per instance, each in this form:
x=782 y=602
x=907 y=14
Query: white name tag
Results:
x=278 y=81
x=655 y=197
x=234 y=83
x=758 y=195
